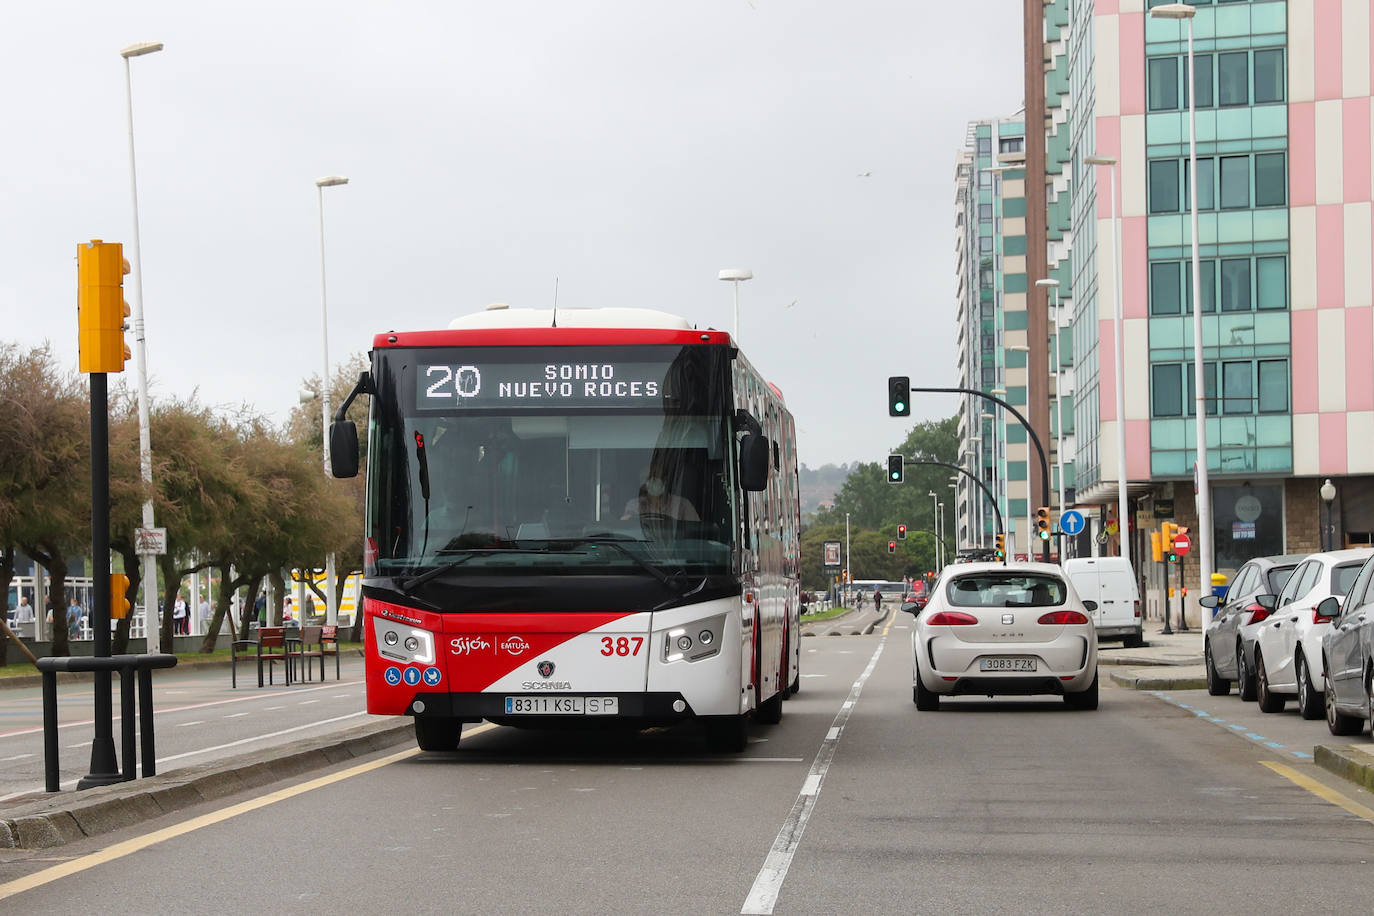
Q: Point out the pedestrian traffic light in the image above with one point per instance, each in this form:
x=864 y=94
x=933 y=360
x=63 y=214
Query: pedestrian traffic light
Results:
x=1042 y=523
x=100 y=306
x=119 y=596
x=901 y=532
x=891 y=546
x=894 y=468
x=899 y=396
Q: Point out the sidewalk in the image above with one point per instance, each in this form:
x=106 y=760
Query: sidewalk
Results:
x=1165 y=662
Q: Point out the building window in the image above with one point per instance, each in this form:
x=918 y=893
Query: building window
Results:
x=1011 y=144
x=1209 y=388
x=985 y=146
x=1202 y=63
x=1269 y=76
x=1207 y=280
x=1273 y=386
x=1237 y=389
x=1164 y=186
x=1271 y=283
x=984 y=179
x=1163 y=83
x=1233 y=78
x=1206 y=184
x=985 y=213
x=1235 y=285
x=1271 y=180
x=1166 y=390
x=1235 y=182
x=985 y=244
x=1164 y=288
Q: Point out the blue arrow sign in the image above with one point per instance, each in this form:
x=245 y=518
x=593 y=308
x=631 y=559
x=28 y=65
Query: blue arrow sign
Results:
x=1071 y=521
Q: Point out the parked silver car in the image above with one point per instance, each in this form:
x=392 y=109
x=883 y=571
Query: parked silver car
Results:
x=1348 y=656
x=1288 y=645
x=1228 y=647
x=995 y=630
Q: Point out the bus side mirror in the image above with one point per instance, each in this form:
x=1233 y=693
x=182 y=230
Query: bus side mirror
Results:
x=343 y=449
x=753 y=462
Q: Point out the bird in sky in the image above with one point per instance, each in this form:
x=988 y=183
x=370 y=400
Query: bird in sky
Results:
x=864 y=175
x=789 y=305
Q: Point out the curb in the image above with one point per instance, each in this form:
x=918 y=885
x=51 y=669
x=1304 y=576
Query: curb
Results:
x=80 y=677
x=1347 y=762
x=1136 y=682
x=49 y=820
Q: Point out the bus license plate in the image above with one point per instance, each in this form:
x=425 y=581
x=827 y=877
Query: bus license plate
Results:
x=562 y=706
x=1006 y=664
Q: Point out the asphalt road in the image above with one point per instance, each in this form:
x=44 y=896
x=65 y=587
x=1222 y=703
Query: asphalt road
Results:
x=855 y=803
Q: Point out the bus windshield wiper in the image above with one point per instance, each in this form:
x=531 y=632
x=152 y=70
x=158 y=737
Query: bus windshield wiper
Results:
x=468 y=553
x=614 y=543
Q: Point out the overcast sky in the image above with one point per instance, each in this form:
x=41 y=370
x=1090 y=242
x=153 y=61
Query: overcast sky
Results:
x=626 y=150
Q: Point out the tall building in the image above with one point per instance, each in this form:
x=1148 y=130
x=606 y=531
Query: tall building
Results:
x=1286 y=240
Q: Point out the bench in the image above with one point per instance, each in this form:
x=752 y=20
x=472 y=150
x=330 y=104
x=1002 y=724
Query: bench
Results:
x=270 y=645
x=319 y=642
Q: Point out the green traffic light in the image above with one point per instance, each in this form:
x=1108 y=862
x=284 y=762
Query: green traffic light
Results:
x=900 y=406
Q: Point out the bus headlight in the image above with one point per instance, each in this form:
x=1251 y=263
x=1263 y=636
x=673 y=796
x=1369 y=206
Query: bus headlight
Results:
x=403 y=643
x=684 y=642
x=678 y=644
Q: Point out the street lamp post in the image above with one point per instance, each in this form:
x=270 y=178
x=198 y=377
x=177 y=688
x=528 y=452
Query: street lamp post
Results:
x=935 y=523
x=1328 y=494
x=331 y=603
x=151 y=630
x=1200 y=475
x=940 y=531
x=736 y=275
x=1119 y=374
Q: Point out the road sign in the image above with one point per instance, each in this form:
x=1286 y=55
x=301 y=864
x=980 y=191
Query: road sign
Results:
x=832 y=553
x=1182 y=544
x=1071 y=521
x=150 y=541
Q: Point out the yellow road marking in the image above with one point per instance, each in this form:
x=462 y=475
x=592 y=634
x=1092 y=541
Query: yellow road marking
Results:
x=1320 y=790
x=119 y=850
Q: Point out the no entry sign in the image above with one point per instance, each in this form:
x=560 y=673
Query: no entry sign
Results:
x=1182 y=544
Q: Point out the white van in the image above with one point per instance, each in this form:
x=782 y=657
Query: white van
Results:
x=1110 y=582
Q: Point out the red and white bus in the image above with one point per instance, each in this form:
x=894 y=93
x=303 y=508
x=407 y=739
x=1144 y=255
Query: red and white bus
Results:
x=578 y=517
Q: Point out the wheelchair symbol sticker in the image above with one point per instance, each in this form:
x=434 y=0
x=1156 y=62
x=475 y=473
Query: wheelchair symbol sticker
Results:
x=432 y=677
x=412 y=676
x=393 y=676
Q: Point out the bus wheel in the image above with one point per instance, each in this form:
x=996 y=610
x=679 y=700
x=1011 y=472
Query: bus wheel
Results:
x=437 y=733
x=727 y=734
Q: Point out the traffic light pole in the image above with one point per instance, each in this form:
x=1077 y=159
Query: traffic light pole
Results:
x=104 y=767
x=1044 y=462
x=973 y=477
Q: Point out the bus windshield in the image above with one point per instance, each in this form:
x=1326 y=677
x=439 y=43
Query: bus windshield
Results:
x=534 y=461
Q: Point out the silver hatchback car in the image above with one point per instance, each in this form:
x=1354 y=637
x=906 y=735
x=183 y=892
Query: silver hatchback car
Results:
x=991 y=629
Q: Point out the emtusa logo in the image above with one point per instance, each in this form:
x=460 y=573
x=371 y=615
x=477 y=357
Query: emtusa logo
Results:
x=515 y=645
x=467 y=645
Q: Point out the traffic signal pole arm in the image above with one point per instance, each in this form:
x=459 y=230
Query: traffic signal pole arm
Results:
x=1044 y=462
x=973 y=477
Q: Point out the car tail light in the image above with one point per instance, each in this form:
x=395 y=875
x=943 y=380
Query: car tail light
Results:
x=1258 y=612
x=1062 y=617
x=952 y=619
x=1137 y=610
x=1318 y=618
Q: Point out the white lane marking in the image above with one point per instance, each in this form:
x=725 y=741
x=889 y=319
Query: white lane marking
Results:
x=764 y=894
x=307 y=702
x=813 y=675
x=242 y=741
x=235 y=715
x=185 y=724
x=82 y=744
x=273 y=708
x=15 y=757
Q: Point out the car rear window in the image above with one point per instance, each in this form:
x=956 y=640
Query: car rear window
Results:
x=998 y=589
x=1278 y=577
x=1342 y=577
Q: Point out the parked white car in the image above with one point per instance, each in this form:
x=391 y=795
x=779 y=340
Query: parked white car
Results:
x=1288 y=645
x=1004 y=630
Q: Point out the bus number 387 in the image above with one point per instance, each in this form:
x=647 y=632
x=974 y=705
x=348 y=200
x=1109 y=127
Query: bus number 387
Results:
x=624 y=645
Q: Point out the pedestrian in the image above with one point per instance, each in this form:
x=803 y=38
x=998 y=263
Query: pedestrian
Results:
x=179 y=618
x=24 y=613
x=877 y=600
x=75 y=614
x=206 y=612
x=259 y=608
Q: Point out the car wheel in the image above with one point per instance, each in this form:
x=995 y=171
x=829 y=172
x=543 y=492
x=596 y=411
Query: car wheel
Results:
x=1268 y=700
x=437 y=733
x=1337 y=722
x=1309 y=704
x=1245 y=678
x=925 y=700
x=1217 y=686
x=1086 y=699
x=1134 y=641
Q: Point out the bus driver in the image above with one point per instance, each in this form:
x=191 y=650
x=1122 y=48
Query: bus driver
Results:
x=655 y=500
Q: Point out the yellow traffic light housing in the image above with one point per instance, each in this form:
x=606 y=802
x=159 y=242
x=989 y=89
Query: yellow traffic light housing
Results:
x=119 y=596
x=1001 y=546
x=1167 y=532
x=1042 y=523
x=101 y=309
x=1156 y=548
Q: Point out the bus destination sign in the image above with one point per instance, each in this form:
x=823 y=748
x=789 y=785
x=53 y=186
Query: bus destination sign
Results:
x=507 y=385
